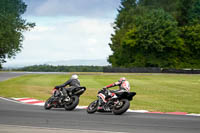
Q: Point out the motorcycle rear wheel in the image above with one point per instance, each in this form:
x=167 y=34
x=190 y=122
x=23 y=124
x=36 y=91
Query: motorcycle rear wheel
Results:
x=48 y=104
x=73 y=104
x=121 y=107
x=92 y=107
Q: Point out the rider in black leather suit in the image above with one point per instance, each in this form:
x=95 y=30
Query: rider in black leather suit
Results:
x=73 y=83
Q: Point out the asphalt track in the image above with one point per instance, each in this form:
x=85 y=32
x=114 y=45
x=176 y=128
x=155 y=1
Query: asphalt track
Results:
x=16 y=117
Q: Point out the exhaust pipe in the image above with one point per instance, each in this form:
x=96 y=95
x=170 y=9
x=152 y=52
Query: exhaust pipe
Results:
x=79 y=91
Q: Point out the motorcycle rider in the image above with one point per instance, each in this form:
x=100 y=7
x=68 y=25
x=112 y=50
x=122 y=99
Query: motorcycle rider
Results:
x=124 y=86
x=73 y=83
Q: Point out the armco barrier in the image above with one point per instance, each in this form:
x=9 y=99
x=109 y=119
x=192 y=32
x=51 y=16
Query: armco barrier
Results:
x=149 y=70
x=132 y=70
x=181 y=71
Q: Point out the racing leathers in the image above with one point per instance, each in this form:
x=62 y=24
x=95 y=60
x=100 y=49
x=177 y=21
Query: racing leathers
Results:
x=73 y=83
x=123 y=87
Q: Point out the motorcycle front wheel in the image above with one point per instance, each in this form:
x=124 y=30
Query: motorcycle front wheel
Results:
x=73 y=103
x=92 y=107
x=48 y=104
x=121 y=107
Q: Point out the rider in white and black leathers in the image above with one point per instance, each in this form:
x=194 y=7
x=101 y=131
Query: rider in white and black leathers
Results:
x=73 y=82
x=123 y=84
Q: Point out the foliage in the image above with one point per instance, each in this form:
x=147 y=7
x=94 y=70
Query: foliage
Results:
x=184 y=13
x=50 y=68
x=121 y=26
x=153 y=34
x=156 y=33
x=193 y=13
x=11 y=27
x=191 y=36
x=167 y=5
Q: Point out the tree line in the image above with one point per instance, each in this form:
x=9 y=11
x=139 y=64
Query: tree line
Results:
x=50 y=68
x=156 y=33
x=12 y=25
x=106 y=69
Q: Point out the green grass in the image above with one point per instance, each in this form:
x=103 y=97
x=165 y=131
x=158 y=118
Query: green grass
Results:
x=155 y=92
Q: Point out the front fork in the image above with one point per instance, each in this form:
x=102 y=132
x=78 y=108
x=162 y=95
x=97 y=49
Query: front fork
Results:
x=100 y=101
x=109 y=105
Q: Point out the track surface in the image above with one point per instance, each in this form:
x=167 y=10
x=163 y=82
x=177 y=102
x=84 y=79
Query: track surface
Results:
x=8 y=75
x=12 y=113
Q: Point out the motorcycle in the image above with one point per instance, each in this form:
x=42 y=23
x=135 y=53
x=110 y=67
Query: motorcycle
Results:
x=118 y=105
x=57 y=100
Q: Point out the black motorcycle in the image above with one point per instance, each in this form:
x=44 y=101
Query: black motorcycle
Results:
x=57 y=100
x=117 y=105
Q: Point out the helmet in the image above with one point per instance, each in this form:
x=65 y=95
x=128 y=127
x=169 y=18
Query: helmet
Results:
x=122 y=79
x=74 y=76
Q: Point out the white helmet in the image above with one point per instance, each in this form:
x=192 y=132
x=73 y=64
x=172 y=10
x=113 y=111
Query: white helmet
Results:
x=122 y=79
x=74 y=76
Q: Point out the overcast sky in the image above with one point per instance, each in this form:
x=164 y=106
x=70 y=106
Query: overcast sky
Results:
x=67 y=30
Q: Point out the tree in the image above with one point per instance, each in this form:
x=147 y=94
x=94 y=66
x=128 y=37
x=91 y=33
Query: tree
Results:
x=193 y=13
x=11 y=27
x=156 y=33
x=183 y=10
x=126 y=13
x=152 y=42
x=169 y=6
x=191 y=36
x=190 y=33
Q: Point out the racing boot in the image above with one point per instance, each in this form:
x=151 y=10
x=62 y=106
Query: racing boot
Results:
x=66 y=97
x=100 y=104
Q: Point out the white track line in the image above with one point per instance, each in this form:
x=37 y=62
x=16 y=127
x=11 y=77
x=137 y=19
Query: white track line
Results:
x=11 y=100
x=39 y=104
x=193 y=114
x=26 y=101
x=137 y=111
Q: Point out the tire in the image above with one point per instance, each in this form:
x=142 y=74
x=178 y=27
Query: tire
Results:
x=123 y=108
x=48 y=104
x=92 y=107
x=75 y=101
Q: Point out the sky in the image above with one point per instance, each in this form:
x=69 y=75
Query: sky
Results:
x=66 y=30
